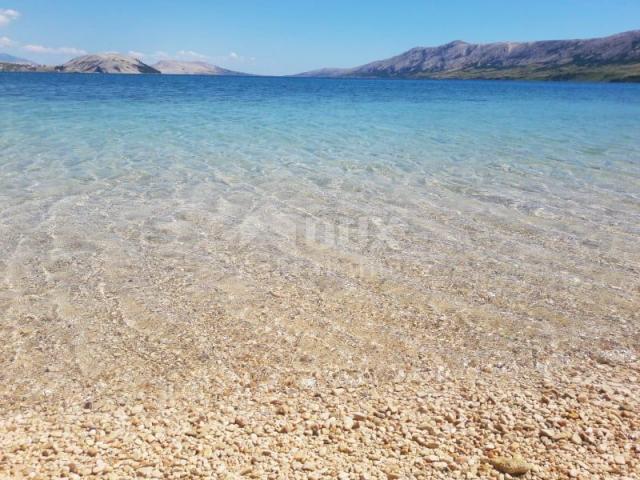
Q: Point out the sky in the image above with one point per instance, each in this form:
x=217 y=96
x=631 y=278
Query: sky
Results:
x=274 y=37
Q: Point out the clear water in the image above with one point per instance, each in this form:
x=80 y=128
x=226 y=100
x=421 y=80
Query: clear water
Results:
x=140 y=204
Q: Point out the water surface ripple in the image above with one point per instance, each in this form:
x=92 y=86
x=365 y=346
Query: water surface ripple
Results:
x=183 y=217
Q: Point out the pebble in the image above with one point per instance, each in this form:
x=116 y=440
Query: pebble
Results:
x=620 y=459
x=348 y=423
x=515 y=465
x=406 y=435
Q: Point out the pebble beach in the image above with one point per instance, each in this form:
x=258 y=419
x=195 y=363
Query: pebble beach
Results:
x=269 y=278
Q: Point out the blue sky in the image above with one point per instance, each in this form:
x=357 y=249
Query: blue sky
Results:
x=289 y=36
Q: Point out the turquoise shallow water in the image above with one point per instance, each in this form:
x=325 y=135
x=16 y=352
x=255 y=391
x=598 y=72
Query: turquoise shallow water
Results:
x=506 y=203
x=75 y=128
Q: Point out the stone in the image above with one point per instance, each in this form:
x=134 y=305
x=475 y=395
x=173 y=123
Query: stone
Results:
x=348 y=423
x=146 y=471
x=575 y=438
x=620 y=459
x=515 y=465
x=100 y=467
x=92 y=451
x=137 y=410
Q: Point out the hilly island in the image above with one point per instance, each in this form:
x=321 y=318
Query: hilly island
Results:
x=114 y=63
x=610 y=59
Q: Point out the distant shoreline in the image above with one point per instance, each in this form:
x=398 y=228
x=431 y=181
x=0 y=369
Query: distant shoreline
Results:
x=612 y=59
x=627 y=80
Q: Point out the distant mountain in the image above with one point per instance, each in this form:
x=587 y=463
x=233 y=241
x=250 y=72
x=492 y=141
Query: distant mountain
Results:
x=6 y=58
x=327 y=72
x=614 y=58
x=177 y=67
x=106 y=63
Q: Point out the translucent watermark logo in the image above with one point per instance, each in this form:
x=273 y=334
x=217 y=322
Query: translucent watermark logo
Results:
x=353 y=246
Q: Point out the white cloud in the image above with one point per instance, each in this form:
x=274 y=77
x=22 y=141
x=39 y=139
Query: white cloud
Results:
x=6 y=42
x=161 y=55
x=70 y=51
x=234 y=57
x=7 y=16
x=192 y=55
x=54 y=50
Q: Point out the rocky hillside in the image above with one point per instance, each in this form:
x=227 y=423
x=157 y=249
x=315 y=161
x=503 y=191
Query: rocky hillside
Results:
x=177 y=67
x=106 y=63
x=614 y=58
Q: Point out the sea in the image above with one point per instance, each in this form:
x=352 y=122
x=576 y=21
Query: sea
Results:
x=142 y=202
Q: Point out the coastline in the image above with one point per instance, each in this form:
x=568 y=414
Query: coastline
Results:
x=308 y=279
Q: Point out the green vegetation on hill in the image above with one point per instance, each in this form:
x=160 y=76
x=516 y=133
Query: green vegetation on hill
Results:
x=15 y=67
x=610 y=59
x=604 y=73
